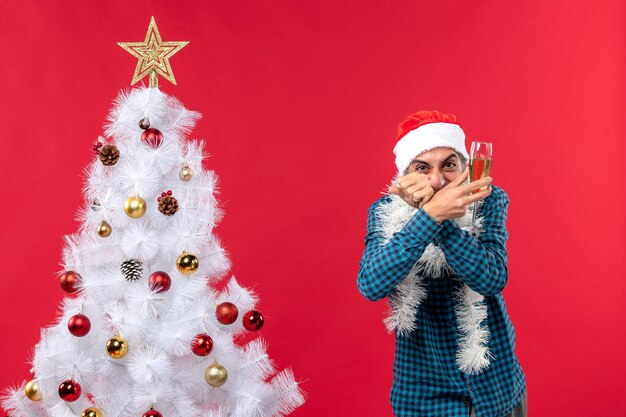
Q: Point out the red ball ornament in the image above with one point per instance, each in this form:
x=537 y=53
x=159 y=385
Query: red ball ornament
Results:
x=152 y=413
x=202 y=344
x=69 y=390
x=226 y=313
x=253 y=320
x=159 y=281
x=79 y=325
x=152 y=136
x=69 y=281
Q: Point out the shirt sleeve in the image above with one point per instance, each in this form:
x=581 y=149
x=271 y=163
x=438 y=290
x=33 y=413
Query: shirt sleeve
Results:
x=382 y=267
x=480 y=262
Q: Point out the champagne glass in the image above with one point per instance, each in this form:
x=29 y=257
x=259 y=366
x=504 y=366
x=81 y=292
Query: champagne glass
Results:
x=479 y=167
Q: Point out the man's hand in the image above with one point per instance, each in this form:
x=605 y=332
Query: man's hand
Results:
x=414 y=188
x=453 y=200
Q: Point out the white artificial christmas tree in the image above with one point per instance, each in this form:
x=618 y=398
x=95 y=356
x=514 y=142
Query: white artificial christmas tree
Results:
x=145 y=332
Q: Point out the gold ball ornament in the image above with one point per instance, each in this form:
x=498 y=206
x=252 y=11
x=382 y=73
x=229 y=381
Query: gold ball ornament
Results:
x=187 y=263
x=33 y=391
x=104 y=229
x=135 y=207
x=117 y=347
x=144 y=123
x=215 y=375
x=92 y=412
x=186 y=173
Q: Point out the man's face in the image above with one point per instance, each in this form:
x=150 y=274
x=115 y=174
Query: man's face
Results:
x=441 y=165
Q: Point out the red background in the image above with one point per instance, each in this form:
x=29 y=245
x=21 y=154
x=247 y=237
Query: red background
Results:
x=300 y=103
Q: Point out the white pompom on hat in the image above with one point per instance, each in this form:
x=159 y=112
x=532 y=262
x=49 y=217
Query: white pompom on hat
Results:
x=425 y=130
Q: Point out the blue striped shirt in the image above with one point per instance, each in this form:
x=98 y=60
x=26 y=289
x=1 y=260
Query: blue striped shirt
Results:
x=427 y=381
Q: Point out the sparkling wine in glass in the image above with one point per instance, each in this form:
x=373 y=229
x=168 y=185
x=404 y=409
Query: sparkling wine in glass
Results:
x=481 y=155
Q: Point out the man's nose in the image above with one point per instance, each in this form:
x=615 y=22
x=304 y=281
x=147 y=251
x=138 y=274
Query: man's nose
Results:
x=437 y=181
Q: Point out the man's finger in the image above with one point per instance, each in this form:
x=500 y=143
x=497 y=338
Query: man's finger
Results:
x=460 y=179
x=409 y=179
x=419 y=195
x=417 y=187
x=394 y=189
x=478 y=196
x=425 y=200
x=475 y=185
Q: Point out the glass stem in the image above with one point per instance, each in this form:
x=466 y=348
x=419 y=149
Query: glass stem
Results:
x=474 y=212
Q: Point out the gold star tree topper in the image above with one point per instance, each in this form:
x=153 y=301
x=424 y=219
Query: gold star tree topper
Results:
x=153 y=56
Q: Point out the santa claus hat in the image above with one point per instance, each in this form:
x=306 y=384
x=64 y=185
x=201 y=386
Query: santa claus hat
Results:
x=426 y=130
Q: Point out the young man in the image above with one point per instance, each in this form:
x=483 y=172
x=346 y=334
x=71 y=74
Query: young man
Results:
x=443 y=275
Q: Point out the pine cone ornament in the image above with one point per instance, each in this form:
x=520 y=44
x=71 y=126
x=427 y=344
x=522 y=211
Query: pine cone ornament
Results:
x=167 y=204
x=109 y=155
x=132 y=269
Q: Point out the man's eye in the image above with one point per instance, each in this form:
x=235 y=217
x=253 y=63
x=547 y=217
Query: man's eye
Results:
x=420 y=168
x=450 y=165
